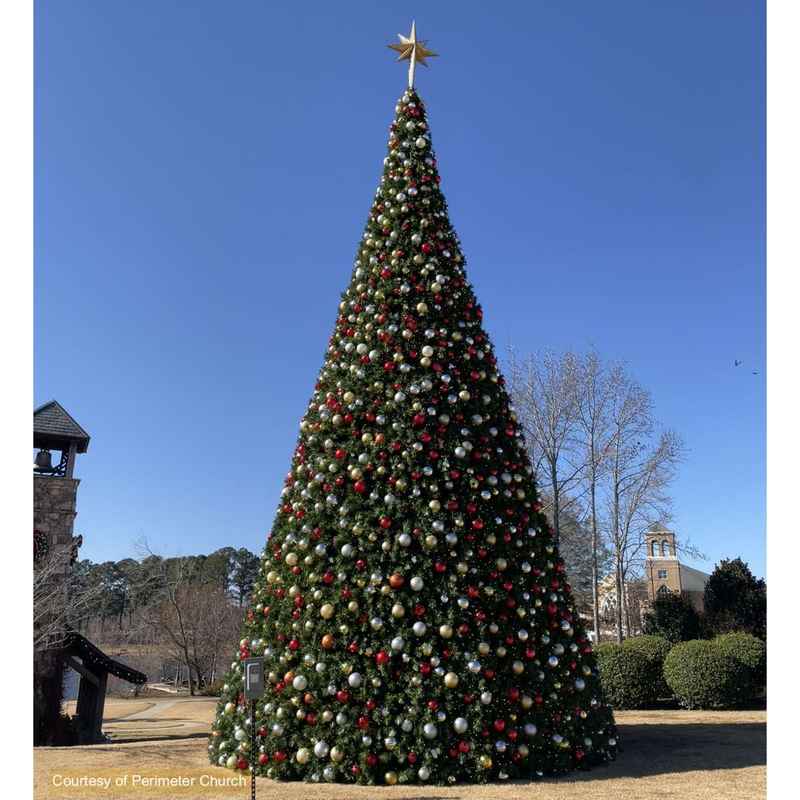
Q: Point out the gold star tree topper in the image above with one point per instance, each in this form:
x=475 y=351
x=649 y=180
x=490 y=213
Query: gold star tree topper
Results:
x=412 y=50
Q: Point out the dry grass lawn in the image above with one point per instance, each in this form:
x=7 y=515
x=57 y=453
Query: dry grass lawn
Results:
x=114 y=708
x=672 y=755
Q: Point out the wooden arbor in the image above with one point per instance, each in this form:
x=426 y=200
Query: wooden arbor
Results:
x=94 y=667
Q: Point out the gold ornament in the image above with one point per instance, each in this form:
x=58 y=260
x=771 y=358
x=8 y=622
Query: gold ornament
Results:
x=413 y=50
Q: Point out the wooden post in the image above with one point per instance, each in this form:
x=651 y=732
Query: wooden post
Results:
x=100 y=702
x=71 y=453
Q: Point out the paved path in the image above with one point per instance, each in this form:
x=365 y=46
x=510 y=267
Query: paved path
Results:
x=155 y=708
x=171 y=718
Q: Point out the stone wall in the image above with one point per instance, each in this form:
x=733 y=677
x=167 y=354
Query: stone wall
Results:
x=54 y=508
x=54 y=515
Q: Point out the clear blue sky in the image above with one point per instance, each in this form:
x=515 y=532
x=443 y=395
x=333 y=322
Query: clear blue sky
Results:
x=204 y=171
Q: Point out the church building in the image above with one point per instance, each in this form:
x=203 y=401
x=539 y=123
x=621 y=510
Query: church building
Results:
x=664 y=573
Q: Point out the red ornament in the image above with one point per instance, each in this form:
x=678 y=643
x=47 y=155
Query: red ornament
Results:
x=381 y=658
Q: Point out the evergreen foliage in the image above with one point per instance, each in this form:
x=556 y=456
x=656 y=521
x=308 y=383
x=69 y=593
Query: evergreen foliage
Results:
x=655 y=649
x=412 y=609
x=626 y=675
x=751 y=653
x=735 y=600
x=700 y=675
x=672 y=617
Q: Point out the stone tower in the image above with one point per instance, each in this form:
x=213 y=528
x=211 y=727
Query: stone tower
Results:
x=55 y=488
x=54 y=550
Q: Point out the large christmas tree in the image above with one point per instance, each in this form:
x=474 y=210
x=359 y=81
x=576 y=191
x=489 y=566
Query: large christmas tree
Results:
x=414 y=615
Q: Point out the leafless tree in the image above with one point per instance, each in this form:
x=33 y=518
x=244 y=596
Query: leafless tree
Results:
x=598 y=462
x=638 y=476
x=597 y=384
x=57 y=603
x=545 y=392
x=194 y=622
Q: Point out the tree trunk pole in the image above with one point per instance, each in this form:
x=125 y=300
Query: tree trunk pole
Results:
x=595 y=576
x=556 y=526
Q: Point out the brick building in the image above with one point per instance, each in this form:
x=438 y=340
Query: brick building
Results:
x=664 y=573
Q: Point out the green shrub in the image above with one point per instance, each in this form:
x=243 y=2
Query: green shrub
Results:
x=673 y=617
x=734 y=600
x=655 y=649
x=625 y=676
x=751 y=652
x=700 y=675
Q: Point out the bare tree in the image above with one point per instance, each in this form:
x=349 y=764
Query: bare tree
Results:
x=597 y=384
x=545 y=393
x=590 y=431
x=58 y=603
x=645 y=500
x=631 y=424
x=638 y=476
x=195 y=621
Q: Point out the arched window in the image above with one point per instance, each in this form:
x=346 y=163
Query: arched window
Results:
x=662 y=590
x=664 y=547
x=653 y=546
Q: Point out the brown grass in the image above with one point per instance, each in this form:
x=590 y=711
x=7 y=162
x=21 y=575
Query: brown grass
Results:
x=113 y=708
x=674 y=755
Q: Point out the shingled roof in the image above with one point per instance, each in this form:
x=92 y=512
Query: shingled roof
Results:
x=53 y=427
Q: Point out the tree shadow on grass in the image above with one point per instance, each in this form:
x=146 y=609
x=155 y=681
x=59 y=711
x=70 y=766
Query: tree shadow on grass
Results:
x=647 y=750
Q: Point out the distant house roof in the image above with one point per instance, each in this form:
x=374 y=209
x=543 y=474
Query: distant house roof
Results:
x=692 y=580
x=54 y=427
x=96 y=660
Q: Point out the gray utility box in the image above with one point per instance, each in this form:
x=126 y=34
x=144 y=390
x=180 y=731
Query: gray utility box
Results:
x=253 y=678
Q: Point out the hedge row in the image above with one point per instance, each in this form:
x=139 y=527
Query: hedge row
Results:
x=724 y=672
